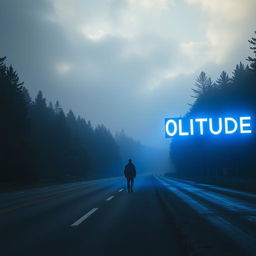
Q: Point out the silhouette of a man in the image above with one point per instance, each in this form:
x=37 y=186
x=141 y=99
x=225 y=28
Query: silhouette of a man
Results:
x=130 y=174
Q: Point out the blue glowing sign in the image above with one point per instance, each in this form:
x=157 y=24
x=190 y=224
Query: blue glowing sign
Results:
x=206 y=126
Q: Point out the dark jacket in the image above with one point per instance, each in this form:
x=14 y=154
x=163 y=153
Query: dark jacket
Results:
x=130 y=171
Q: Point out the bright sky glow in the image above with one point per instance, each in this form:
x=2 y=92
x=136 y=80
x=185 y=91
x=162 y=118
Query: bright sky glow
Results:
x=127 y=64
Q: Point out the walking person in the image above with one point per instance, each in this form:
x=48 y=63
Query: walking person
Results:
x=130 y=174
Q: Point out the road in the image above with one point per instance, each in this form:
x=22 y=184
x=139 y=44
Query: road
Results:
x=164 y=216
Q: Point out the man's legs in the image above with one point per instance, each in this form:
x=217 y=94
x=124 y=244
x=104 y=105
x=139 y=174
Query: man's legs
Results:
x=132 y=181
x=128 y=185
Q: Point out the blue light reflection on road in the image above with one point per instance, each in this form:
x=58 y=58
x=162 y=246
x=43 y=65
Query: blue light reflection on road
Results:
x=213 y=215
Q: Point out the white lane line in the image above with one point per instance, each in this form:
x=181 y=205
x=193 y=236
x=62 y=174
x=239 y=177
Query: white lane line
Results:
x=110 y=198
x=120 y=190
x=88 y=214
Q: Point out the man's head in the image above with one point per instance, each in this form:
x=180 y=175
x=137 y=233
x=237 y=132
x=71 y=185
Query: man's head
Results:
x=130 y=160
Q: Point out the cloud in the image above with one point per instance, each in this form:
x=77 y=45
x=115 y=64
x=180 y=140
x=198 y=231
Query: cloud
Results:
x=232 y=10
x=230 y=23
x=148 y=4
x=127 y=64
x=63 y=67
x=95 y=35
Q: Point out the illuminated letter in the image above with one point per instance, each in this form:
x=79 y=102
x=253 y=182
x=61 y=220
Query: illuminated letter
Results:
x=242 y=124
x=181 y=133
x=226 y=119
x=191 y=127
x=175 y=128
x=211 y=129
x=201 y=120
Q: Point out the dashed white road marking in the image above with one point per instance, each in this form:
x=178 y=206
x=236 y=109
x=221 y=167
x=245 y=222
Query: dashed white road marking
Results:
x=110 y=198
x=83 y=218
x=120 y=190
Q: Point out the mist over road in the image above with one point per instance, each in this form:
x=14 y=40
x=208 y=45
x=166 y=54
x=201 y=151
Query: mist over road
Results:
x=164 y=216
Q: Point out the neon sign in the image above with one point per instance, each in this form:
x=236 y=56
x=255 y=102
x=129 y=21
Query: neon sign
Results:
x=206 y=126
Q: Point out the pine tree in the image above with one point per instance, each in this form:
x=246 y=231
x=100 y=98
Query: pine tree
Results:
x=223 y=81
x=203 y=84
x=14 y=128
x=13 y=107
x=252 y=60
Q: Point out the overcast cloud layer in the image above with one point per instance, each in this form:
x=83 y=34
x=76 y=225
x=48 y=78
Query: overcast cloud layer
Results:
x=124 y=63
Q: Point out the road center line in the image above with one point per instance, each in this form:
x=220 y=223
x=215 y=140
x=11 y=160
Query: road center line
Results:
x=120 y=190
x=110 y=198
x=83 y=218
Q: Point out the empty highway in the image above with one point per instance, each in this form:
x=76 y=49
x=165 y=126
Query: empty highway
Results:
x=164 y=216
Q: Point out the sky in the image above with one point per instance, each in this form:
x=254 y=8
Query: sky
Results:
x=125 y=63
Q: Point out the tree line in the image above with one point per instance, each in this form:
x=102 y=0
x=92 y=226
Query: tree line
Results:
x=38 y=141
x=227 y=155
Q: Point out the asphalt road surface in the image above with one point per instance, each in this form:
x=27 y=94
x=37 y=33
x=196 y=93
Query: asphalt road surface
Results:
x=163 y=216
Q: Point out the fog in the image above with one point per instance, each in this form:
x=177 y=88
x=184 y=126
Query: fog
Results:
x=127 y=64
